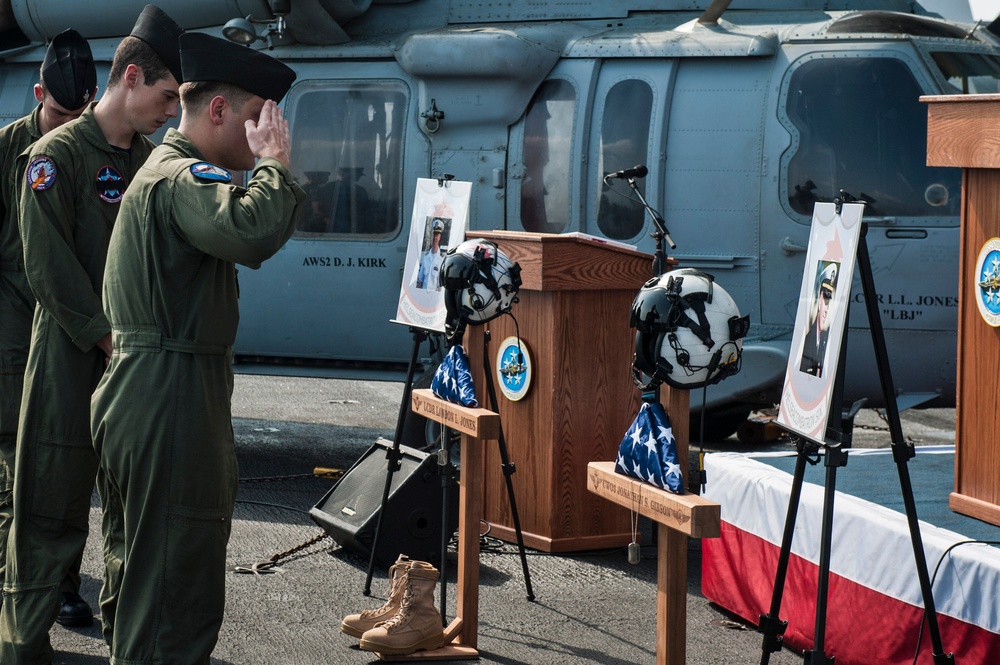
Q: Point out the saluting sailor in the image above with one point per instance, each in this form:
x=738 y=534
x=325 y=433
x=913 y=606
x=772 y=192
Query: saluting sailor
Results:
x=72 y=181
x=170 y=292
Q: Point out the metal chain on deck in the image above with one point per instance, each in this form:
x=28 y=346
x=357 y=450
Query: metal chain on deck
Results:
x=880 y=428
x=332 y=473
x=265 y=567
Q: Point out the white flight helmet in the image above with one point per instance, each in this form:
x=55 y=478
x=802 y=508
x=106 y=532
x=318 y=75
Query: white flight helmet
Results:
x=689 y=332
x=480 y=282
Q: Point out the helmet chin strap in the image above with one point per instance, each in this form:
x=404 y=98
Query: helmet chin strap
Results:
x=454 y=331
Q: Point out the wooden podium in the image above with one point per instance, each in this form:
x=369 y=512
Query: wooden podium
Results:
x=573 y=314
x=964 y=131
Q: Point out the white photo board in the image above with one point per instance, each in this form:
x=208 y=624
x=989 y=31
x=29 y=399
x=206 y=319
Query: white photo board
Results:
x=820 y=320
x=440 y=217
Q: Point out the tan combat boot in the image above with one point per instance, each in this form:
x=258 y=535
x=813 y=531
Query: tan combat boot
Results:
x=417 y=624
x=355 y=625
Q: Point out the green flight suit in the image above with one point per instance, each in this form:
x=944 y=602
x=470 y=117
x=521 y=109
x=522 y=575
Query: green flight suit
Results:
x=17 y=307
x=170 y=292
x=65 y=222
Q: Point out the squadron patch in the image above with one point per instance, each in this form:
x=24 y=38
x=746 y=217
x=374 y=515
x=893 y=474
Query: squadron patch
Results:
x=110 y=184
x=514 y=369
x=210 y=172
x=41 y=173
x=988 y=282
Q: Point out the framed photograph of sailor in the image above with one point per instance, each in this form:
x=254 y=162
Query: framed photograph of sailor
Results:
x=440 y=216
x=820 y=320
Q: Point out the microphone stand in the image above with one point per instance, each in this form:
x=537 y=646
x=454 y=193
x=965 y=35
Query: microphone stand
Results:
x=660 y=234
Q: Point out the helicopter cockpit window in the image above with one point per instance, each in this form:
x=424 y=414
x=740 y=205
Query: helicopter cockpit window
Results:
x=625 y=127
x=862 y=128
x=969 y=73
x=347 y=154
x=548 y=142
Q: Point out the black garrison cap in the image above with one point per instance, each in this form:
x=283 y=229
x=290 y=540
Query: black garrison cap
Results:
x=68 y=70
x=161 y=33
x=208 y=58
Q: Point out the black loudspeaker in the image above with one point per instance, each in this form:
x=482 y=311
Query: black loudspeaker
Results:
x=412 y=522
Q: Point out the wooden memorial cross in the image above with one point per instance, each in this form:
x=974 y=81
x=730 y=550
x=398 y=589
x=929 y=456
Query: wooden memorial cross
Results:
x=678 y=517
x=475 y=425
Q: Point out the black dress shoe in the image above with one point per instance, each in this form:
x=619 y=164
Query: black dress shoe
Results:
x=74 y=612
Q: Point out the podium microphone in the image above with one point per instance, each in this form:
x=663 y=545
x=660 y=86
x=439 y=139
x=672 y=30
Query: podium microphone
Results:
x=637 y=171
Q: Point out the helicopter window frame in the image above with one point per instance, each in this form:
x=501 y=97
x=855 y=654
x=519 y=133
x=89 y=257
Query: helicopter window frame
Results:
x=376 y=196
x=626 y=203
x=801 y=58
x=933 y=55
x=522 y=169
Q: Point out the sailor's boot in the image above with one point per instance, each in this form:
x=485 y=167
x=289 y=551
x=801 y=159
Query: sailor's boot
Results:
x=355 y=625
x=417 y=624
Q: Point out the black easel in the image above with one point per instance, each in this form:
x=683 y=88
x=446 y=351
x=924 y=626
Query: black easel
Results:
x=505 y=463
x=393 y=456
x=837 y=441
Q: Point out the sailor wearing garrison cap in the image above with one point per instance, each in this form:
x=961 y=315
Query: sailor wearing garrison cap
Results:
x=68 y=71
x=71 y=183
x=170 y=293
x=814 y=344
x=67 y=83
x=160 y=33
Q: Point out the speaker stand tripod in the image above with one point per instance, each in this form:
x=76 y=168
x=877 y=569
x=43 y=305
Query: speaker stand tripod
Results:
x=837 y=441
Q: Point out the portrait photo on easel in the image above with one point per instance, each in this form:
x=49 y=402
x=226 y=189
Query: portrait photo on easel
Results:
x=820 y=319
x=440 y=217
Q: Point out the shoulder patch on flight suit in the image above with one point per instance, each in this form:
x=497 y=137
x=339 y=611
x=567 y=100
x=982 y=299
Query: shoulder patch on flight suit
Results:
x=210 y=172
x=41 y=173
x=110 y=184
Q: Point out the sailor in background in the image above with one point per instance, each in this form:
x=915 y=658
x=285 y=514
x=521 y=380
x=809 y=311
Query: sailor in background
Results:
x=67 y=84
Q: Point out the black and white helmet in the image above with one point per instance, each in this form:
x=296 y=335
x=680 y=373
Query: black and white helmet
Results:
x=689 y=332
x=480 y=282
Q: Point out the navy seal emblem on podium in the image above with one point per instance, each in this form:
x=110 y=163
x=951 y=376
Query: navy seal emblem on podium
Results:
x=513 y=368
x=988 y=282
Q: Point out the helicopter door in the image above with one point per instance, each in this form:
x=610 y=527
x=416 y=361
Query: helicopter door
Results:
x=856 y=123
x=556 y=186
x=542 y=165
x=332 y=289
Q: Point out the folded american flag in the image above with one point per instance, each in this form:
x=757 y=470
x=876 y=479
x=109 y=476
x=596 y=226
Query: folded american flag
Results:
x=453 y=381
x=649 y=451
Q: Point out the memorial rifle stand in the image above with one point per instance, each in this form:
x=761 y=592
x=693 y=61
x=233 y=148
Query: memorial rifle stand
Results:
x=475 y=426
x=678 y=517
x=837 y=441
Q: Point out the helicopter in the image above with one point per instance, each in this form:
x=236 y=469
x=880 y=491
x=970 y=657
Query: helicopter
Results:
x=744 y=113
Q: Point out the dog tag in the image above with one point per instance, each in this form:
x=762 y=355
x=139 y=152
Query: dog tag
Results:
x=633 y=552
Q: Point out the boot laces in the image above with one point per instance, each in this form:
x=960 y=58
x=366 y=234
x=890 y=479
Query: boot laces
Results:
x=405 y=607
x=396 y=578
